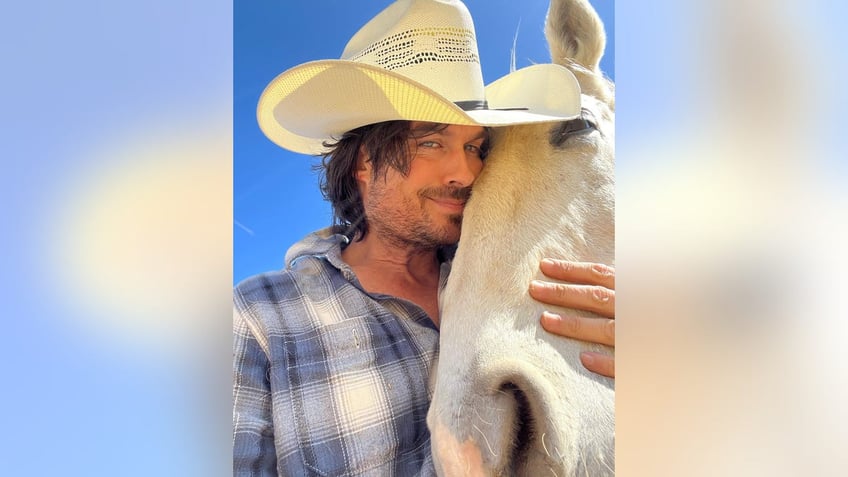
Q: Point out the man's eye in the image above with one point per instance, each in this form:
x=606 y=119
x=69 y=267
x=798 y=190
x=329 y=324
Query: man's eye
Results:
x=428 y=144
x=480 y=150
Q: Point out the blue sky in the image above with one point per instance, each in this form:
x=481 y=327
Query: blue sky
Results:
x=276 y=200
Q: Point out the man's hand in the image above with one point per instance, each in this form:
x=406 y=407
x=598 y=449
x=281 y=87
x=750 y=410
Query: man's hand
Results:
x=591 y=287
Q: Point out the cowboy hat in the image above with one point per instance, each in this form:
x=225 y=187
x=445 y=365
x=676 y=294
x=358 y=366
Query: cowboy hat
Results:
x=416 y=60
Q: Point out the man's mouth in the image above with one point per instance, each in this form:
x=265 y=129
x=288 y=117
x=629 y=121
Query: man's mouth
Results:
x=452 y=205
x=449 y=199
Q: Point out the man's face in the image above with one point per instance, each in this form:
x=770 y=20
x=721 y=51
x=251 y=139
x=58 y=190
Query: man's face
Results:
x=424 y=208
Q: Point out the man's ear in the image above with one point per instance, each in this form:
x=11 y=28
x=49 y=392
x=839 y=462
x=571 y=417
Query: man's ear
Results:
x=363 y=166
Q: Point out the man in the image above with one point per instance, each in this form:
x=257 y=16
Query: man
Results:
x=402 y=123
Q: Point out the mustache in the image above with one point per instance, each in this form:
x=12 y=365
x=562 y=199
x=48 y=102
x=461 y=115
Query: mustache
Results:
x=447 y=192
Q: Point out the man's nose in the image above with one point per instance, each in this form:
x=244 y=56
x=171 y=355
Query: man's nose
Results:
x=462 y=168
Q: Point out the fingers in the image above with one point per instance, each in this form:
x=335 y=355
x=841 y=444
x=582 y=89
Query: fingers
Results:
x=594 y=330
x=595 y=298
x=590 y=287
x=598 y=363
x=579 y=272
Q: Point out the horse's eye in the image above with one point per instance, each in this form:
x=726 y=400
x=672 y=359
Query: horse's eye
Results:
x=578 y=125
x=583 y=125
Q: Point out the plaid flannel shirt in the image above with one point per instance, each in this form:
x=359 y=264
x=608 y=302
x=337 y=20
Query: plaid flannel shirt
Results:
x=329 y=379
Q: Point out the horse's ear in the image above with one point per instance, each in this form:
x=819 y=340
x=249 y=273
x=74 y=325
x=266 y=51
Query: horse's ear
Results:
x=577 y=39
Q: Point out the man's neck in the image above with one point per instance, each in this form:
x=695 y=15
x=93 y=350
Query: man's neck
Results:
x=373 y=254
x=403 y=272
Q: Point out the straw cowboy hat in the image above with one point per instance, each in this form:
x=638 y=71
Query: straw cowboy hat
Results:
x=416 y=60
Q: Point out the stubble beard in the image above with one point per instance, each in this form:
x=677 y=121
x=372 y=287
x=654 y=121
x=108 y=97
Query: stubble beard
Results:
x=408 y=225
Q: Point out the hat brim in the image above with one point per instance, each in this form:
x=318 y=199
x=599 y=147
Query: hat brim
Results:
x=318 y=101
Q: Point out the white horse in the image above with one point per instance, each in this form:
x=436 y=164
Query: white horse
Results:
x=511 y=398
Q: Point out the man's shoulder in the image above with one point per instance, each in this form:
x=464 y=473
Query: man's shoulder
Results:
x=291 y=297
x=265 y=287
x=270 y=304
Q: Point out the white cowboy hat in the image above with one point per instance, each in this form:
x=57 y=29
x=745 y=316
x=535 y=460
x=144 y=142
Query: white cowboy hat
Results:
x=416 y=60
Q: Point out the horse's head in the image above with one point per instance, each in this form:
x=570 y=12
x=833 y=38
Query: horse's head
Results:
x=509 y=397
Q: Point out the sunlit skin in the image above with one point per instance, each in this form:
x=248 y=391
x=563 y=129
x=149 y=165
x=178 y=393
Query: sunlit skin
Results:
x=591 y=287
x=424 y=208
x=411 y=216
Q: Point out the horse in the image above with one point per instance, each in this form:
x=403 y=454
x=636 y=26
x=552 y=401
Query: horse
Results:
x=508 y=397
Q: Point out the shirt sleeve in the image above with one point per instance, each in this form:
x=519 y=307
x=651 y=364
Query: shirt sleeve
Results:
x=254 y=453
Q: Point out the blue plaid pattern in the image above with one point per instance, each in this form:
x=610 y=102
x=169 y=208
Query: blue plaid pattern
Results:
x=328 y=379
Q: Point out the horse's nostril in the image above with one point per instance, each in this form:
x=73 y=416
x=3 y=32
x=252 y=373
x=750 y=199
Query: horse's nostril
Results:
x=523 y=429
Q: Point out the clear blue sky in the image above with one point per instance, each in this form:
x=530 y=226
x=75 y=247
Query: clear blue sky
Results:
x=276 y=200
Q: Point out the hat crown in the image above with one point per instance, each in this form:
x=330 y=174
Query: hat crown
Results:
x=432 y=42
x=417 y=60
